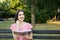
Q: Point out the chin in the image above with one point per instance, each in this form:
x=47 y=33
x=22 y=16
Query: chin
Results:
x=20 y=20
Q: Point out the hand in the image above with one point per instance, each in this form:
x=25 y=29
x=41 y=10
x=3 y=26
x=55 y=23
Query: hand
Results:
x=26 y=36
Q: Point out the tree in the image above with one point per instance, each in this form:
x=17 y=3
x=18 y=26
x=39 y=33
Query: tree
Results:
x=32 y=13
x=40 y=10
x=11 y=6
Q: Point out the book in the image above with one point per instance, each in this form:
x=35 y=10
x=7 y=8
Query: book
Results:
x=24 y=32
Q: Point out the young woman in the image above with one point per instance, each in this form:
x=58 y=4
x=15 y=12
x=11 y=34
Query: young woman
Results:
x=21 y=30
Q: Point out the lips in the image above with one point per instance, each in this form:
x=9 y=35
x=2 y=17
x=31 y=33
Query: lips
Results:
x=21 y=18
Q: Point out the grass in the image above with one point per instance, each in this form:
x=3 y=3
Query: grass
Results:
x=6 y=25
x=47 y=27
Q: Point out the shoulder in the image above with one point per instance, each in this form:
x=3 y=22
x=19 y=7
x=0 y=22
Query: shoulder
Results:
x=13 y=26
x=29 y=25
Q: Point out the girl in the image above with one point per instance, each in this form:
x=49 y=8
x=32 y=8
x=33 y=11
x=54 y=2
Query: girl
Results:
x=21 y=30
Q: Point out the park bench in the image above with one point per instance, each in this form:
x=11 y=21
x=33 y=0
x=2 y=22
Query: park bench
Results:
x=34 y=32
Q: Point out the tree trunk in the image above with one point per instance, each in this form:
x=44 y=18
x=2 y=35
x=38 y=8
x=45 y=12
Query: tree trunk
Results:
x=32 y=13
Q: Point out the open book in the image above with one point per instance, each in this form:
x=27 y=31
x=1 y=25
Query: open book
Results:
x=23 y=32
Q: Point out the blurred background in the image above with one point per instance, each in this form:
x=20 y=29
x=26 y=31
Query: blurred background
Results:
x=42 y=14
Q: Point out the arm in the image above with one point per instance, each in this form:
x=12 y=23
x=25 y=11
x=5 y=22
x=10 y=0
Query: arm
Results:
x=15 y=36
x=29 y=36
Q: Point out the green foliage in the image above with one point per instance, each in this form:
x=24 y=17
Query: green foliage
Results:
x=44 y=9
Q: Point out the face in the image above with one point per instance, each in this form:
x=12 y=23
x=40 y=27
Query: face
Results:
x=21 y=16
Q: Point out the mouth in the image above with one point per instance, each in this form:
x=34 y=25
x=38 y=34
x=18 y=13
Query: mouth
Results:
x=21 y=18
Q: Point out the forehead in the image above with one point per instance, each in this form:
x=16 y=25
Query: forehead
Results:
x=21 y=12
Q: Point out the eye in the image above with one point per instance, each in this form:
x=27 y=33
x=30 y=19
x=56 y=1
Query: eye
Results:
x=19 y=14
x=22 y=14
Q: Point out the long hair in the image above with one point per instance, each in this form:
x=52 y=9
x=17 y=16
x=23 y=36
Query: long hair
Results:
x=16 y=15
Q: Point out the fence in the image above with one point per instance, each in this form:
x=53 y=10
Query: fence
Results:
x=35 y=32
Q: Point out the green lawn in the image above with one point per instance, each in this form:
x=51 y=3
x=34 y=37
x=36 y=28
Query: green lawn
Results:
x=6 y=25
x=47 y=27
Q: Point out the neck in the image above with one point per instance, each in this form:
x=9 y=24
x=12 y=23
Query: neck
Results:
x=19 y=22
